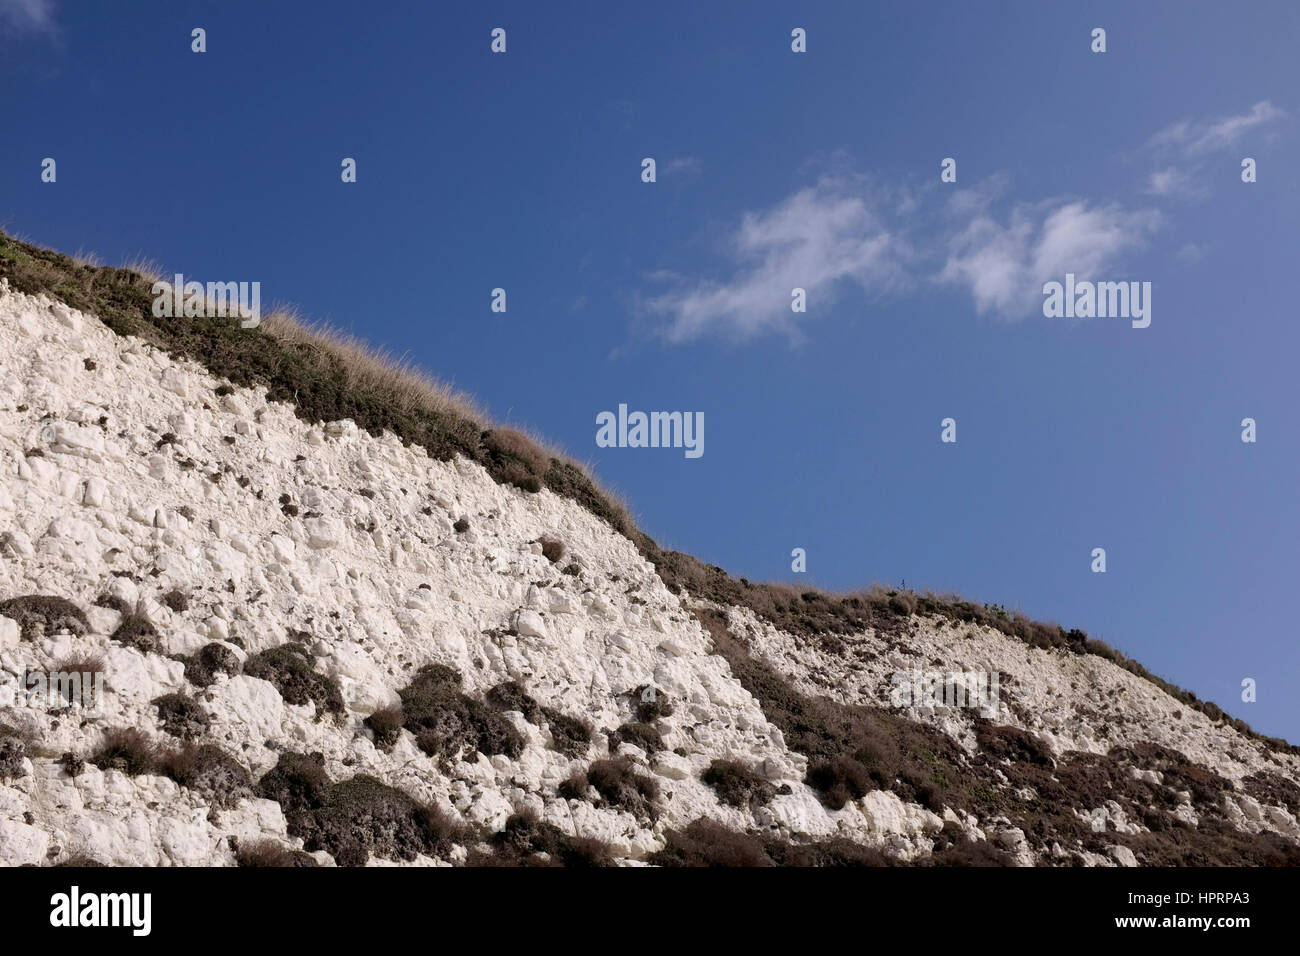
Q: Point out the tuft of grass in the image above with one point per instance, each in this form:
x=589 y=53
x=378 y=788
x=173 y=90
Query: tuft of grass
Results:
x=126 y=749
x=262 y=853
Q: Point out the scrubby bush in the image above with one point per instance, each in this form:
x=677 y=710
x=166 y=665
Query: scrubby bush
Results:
x=176 y=600
x=356 y=818
x=72 y=764
x=136 y=631
x=510 y=695
x=650 y=703
x=386 y=725
x=570 y=735
x=645 y=736
x=706 y=842
x=293 y=672
x=44 y=615
x=13 y=751
x=446 y=722
x=526 y=841
x=126 y=749
x=271 y=853
x=207 y=770
x=1011 y=743
x=182 y=716
x=113 y=603
x=620 y=785
x=736 y=784
x=461 y=525
x=202 y=668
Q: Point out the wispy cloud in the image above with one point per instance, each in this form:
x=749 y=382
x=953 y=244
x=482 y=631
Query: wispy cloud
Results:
x=1181 y=149
x=1173 y=181
x=27 y=16
x=846 y=231
x=1005 y=266
x=1196 y=138
x=685 y=165
x=817 y=239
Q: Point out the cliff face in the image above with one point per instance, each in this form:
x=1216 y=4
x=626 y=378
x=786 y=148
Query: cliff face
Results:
x=336 y=643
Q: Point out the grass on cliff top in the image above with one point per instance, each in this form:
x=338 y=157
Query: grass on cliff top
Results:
x=328 y=376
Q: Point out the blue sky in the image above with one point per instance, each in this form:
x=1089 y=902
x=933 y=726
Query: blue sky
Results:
x=522 y=171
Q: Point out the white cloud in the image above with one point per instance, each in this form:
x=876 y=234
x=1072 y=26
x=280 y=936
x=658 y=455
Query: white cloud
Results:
x=1196 y=138
x=28 y=15
x=1181 y=149
x=846 y=231
x=682 y=164
x=1005 y=266
x=1174 y=181
x=817 y=239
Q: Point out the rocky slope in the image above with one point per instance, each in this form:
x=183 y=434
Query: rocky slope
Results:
x=324 y=646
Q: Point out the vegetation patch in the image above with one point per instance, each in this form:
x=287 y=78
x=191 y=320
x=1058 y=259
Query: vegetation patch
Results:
x=292 y=670
x=182 y=716
x=447 y=722
x=176 y=600
x=386 y=725
x=209 y=771
x=201 y=669
x=619 y=785
x=356 y=818
x=526 y=841
x=271 y=853
x=13 y=751
x=126 y=749
x=552 y=548
x=136 y=631
x=644 y=736
x=44 y=615
x=737 y=785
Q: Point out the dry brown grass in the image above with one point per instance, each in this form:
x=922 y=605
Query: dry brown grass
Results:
x=409 y=386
